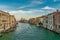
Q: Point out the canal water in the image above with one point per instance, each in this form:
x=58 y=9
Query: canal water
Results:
x=25 y=31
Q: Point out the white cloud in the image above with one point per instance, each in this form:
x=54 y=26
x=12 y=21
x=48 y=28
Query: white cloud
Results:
x=49 y=8
x=37 y=11
x=25 y=14
x=20 y=12
x=24 y=6
x=33 y=3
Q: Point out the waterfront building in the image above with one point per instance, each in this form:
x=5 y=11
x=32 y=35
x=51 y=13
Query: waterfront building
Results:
x=49 y=21
x=32 y=21
x=12 y=21
x=52 y=21
x=39 y=21
x=5 y=20
x=57 y=21
x=45 y=21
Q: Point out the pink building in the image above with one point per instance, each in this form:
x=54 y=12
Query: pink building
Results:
x=57 y=21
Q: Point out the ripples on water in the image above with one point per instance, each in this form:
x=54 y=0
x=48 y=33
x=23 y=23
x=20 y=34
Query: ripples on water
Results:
x=25 y=31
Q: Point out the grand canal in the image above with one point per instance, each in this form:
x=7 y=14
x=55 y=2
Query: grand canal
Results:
x=25 y=31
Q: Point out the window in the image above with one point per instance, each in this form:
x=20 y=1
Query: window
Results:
x=12 y=21
x=59 y=26
x=0 y=14
x=46 y=26
x=3 y=15
x=0 y=24
x=46 y=17
x=46 y=21
x=3 y=20
x=53 y=16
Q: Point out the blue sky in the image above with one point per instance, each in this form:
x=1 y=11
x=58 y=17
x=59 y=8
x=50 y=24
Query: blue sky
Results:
x=29 y=8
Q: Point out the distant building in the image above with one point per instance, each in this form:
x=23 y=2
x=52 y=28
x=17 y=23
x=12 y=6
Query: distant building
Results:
x=32 y=21
x=39 y=20
x=23 y=20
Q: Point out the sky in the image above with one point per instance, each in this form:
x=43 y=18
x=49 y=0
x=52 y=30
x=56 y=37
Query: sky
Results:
x=29 y=8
